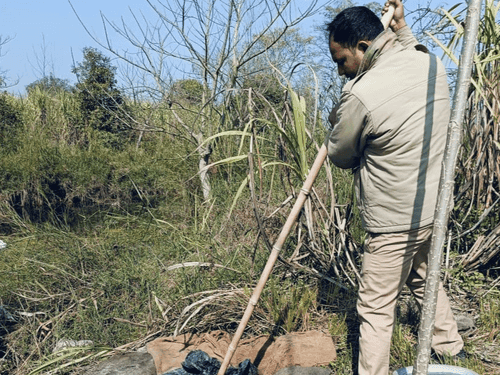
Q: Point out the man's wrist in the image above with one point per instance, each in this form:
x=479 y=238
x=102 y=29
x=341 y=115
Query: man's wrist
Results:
x=399 y=25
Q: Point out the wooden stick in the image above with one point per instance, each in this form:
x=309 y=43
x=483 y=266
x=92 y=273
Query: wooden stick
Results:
x=387 y=17
x=297 y=207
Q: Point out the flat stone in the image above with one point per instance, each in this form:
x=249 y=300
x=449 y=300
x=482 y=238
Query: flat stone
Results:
x=125 y=364
x=297 y=370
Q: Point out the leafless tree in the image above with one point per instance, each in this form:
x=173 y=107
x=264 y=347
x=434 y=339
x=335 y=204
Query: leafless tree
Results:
x=3 y=73
x=43 y=66
x=213 y=41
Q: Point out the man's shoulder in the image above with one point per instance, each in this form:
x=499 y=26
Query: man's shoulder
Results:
x=396 y=74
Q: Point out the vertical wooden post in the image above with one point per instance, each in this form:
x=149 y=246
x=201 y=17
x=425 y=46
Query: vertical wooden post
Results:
x=445 y=198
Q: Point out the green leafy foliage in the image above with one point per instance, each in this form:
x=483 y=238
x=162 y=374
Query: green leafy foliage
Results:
x=101 y=102
x=50 y=177
x=49 y=84
x=10 y=121
x=187 y=90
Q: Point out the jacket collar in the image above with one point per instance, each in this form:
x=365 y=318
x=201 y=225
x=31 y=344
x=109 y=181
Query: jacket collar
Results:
x=385 y=43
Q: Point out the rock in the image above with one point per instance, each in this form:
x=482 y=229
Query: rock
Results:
x=296 y=370
x=125 y=364
x=65 y=343
x=464 y=323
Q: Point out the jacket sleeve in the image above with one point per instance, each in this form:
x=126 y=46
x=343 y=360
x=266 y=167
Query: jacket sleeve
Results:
x=408 y=40
x=346 y=140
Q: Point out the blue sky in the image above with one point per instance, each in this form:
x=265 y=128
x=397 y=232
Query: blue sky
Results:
x=36 y=26
x=53 y=24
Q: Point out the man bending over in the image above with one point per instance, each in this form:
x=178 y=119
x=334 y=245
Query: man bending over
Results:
x=390 y=127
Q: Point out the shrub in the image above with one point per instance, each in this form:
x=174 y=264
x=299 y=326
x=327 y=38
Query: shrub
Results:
x=101 y=103
x=10 y=120
x=189 y=90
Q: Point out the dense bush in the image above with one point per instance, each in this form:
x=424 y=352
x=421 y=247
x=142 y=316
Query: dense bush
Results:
x=10 y=120
x=60 y=173
x=102 y=105
x=50 y=84
x=187 y=90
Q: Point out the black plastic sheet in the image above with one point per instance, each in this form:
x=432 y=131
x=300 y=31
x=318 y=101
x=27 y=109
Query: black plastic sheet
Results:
x=198 y=362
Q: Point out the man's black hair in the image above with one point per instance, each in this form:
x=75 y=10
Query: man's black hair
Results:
x=354 y=24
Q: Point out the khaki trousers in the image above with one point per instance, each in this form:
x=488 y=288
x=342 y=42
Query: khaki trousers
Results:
x=391 y=260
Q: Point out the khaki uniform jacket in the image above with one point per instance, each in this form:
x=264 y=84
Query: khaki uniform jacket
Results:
x=391 y=127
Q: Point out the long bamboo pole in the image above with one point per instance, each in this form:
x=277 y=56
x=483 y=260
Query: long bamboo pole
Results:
x=297 y=207
x=445 y=189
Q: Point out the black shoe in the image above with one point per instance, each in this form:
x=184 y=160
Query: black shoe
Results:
x=462 y=355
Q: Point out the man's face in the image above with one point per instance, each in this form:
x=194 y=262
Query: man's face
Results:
x=348 y=59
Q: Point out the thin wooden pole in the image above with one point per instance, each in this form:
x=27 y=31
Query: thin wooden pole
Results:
x=297 y=207
x=446 y=183
x=304 y=192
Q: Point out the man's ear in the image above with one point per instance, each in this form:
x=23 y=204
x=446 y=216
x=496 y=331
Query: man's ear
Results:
x=363 y=45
